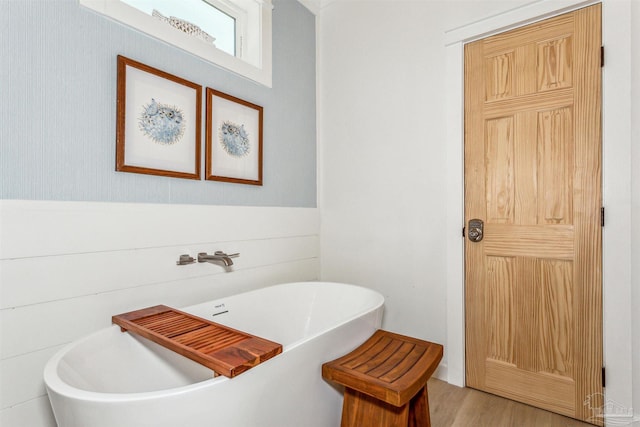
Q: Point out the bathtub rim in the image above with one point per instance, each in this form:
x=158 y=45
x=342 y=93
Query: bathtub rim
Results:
x=55 y=384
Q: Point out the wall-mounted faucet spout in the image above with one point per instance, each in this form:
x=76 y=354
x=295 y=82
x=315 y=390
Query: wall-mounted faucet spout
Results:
x=217 y=257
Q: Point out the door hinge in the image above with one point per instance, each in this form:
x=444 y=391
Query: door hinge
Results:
x=463 y=232
x=603 y=376
x=601 y=56
x=602 y=216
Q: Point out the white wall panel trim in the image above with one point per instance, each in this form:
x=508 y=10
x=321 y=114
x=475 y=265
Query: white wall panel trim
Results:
x=517 y=17
x=67 y=267
x=43 y=228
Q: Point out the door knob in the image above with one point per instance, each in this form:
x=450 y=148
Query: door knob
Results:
x=476 y=230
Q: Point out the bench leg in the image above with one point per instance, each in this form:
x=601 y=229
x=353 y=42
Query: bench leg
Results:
x=419 y=409
x=360 y=410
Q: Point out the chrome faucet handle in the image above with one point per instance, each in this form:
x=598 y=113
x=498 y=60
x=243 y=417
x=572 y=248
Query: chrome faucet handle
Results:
x=185 y=259
x=220 y=253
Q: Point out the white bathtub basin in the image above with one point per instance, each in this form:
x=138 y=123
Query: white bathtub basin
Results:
x=115 y=379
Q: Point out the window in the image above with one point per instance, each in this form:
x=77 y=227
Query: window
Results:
x=234 y=34
x=203 y=19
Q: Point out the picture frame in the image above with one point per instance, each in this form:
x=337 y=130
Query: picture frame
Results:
x=159 y=121
x=233 y=139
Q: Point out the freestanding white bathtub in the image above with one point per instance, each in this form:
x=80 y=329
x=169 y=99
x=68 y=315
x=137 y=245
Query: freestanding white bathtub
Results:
x=116 y=379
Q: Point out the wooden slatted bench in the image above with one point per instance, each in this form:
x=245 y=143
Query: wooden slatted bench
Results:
x=385 y=381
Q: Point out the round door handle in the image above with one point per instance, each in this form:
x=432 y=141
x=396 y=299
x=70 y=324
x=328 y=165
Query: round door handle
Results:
x=475 y=234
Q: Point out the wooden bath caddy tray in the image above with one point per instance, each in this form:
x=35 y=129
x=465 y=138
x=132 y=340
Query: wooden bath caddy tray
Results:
x=224 y=350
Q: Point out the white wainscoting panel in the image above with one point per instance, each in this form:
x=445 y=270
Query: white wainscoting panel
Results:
x=32 y=413
x=67 y=267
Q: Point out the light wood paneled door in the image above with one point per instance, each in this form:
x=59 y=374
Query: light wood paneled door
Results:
x=533 y=176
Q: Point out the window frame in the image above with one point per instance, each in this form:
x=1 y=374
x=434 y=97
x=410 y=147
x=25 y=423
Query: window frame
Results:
x=253 y=34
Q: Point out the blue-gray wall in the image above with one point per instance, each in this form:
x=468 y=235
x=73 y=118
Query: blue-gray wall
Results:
x=58 y=97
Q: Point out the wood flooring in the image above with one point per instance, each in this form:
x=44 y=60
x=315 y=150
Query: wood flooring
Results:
x=453 y=406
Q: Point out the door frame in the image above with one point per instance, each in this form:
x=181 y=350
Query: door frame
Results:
x=616 y=176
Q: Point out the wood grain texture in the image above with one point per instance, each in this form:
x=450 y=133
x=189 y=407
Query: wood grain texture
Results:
x=475 y=207
x=500 y=67
x=531 y=34
x=499 y=169
x=556 y=165
x=385 y=380
x=532 y=173
x=360 y=409
x=587 y=202
x=390 y=367
x=547 y=391
x=529 y=102
x=463 y=407
x=556 y=326
x=501 y=303
x=530 y=240
x=224 y=350
x=526 y=172
x=556 y=58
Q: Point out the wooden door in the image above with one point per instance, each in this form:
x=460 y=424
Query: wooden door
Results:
x=533 y=290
